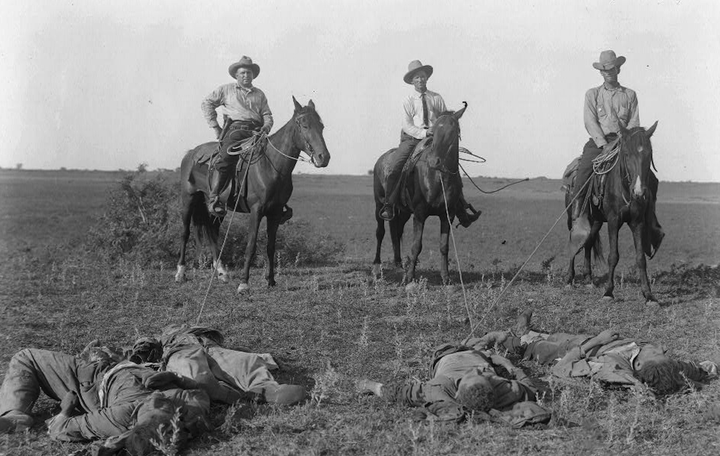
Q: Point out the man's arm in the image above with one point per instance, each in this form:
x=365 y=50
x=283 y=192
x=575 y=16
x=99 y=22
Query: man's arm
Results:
x=210 y=104
x=266 y=115
x=590 y=116
x=103 y=423
x=634 y=120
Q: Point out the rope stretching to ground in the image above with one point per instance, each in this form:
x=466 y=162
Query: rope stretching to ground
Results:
x=502 y=292
x=457 y=258
x=222 y=247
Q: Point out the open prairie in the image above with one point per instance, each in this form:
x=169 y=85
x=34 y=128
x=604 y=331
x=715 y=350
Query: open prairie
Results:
x=330 y=322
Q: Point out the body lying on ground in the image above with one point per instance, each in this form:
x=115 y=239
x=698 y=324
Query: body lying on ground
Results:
x=467 y=381
x=606 y=357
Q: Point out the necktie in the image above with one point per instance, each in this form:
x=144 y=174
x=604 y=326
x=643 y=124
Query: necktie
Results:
x=426 y=122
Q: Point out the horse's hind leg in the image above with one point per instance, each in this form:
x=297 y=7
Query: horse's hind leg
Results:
x=444 y=247
x=252 y=232
x=589 y=246
x=273 y=222
x=638 y=233
x=184 y=236
x=418 y=228
x=379 y=236
x=613 y=257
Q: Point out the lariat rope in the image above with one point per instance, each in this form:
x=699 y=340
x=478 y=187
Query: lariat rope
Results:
x=457 y=258
x=227 y=233
x=502 y=292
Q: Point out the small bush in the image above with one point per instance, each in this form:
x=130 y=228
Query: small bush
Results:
x=141 y=221
x=142 y=224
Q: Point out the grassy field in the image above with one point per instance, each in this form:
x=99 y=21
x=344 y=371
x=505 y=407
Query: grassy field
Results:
x=330 y=323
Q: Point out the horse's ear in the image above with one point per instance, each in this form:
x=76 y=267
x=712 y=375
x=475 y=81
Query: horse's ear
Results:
x=298 y=106
x=311 y=104
x=458 y=114
x=649 y=132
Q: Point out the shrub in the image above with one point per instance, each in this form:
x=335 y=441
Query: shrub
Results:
x=142 y=224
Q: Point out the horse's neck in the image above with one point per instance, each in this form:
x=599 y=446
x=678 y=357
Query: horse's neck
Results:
x=281 y=150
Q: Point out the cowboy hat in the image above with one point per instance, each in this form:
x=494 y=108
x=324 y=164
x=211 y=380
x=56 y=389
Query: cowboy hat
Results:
x=244 y=62
x=414 y=67
x=608 y=60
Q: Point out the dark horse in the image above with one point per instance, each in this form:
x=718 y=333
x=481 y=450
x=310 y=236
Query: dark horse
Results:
x=269 y=186
x=628 y=197
x=432 y=187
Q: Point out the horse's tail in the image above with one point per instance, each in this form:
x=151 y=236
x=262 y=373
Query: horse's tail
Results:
x=205 y=231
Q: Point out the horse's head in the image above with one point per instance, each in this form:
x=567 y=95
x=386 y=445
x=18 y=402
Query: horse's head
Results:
x=446 y=138
x=309 y=134
x=637 y=158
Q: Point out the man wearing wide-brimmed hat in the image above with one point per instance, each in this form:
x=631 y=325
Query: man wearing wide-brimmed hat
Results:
x=420 y=111
x=246 y=112
x=609 y=109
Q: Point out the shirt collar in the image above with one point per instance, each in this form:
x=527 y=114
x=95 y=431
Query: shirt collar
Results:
x=619 y=88
x=244 y=90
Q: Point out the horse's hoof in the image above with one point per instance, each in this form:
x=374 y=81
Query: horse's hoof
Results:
x=568 y=286
x=411 y=287
x=180 y=274
x=608 y=298
x=242 y=288
x=590 y=285
x=376 y=270
x=224 y=278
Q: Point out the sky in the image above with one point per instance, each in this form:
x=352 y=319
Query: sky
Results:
x=111 y=85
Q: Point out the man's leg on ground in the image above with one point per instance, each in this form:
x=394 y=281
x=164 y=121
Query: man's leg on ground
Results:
x=251 y=372
x=31 y=371
x=193 y=362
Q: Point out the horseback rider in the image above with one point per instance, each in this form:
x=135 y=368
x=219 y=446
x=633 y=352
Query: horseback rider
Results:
x=420 y=111
x=609 y=109
x=246 y=113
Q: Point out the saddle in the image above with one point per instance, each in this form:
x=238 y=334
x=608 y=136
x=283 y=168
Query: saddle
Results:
x=602 y=164
x=409 y=166
x=249 y=150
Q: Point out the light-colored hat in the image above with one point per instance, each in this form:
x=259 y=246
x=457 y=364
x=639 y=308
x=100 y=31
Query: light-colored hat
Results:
x=414 y=67
x=246 y=62
x=608 y=60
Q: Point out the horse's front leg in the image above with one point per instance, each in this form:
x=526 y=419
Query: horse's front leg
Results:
x=638 y=231
x=418 y=228
x=444 y=240
x=396 y=229
x=613 y=256
x=273 y=222
x=252 y=232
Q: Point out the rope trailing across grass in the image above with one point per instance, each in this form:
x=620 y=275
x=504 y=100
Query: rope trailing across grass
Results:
x=502 y=292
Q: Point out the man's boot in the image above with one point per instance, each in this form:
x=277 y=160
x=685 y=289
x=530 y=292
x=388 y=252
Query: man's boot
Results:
x=217 y=185
x=467 y=218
